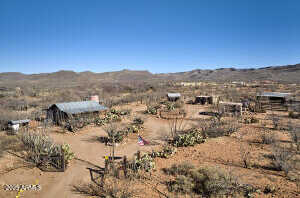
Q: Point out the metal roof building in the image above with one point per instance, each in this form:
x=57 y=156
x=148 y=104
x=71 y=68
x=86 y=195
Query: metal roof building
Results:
x=173 y=96
x=80 y=107
x=60 y=112
x=13 y=122
x=274 y=94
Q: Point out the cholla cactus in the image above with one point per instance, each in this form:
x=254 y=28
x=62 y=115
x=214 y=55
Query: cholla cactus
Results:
x=166 y=152
x=190 y=138
x=69 y=155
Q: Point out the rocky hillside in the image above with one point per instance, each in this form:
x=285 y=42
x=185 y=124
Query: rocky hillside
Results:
x=289 y=74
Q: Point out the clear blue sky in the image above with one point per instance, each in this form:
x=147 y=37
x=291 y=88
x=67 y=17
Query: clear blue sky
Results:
x=156 y=35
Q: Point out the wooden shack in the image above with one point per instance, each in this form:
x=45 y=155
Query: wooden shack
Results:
x=273 y=101
x=206 y=100
x=232 y=108
x=61 y=112
x=203 y=100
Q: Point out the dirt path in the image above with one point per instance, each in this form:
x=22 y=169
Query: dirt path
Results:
x=90 y=152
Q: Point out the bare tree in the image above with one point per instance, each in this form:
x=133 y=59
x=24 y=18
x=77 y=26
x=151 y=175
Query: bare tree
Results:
x=176 y=126
x=112 y=130
x=294 y=132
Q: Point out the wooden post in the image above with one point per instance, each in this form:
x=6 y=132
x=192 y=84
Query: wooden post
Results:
x=106 y=166
x=125 y=166
x=63 y=160
x=138 y=155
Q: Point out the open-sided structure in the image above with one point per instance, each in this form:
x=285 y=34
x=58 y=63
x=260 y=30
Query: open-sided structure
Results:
x=273 y=100
x=234 y=108
x=14 y=125
x=173 y=96
x=203 y=100
x=60 y=112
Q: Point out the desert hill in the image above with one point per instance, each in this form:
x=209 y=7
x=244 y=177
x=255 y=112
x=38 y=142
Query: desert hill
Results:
x=287 y=74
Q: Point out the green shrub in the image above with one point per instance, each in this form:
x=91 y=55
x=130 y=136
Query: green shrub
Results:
x=294 y=115
x=180 y=169
x=152 y=109
x=146 y=162
x=138 y=121
x=205 y=181
x=181 y=184
x=190 y=138
x=166 y=152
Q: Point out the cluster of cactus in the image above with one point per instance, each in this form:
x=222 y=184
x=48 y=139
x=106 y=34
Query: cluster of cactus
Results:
x=69 y=155
x=145 y=162
x=134 y=128
x=250 y=120
x=152 y=109
x=136 y=125
x=112 y=116
x=189 y=138
x=39 y=145
x=166 y=152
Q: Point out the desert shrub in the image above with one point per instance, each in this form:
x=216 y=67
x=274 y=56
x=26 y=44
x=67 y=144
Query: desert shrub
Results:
x=181 y=184
x=294 y=132
x=166 y=152
x=125 y=112
x=250 y=120
x=189 y=138
x=218 y=128
x=138 y=121
x=275 y=120
x=281 y=159
x=294 y=115
x=268 y=137
x=180 y=169
x=205 y=181
x=112 y=188
x=152 y=109
x=9 y=142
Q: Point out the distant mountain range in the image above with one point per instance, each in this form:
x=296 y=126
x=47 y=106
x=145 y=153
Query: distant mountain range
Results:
x=288 y=74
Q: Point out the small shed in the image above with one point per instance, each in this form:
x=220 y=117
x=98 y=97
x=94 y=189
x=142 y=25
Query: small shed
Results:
x=14 y=125
x=173 y=96
x=274 y=96
x=60 y=112
x=273 y=100
x=203 y=100
x=231 y=107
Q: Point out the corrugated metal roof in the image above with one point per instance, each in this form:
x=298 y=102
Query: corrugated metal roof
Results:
x=13 y=122
x=174 y=95
x=274 y=94
x=231 y=103
x=80 y=107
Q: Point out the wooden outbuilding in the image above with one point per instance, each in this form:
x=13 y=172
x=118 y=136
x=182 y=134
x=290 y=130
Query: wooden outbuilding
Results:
x=173 y=96
x=234 y=108
x=15 y=125
x=206 y=100
x=61 y=112
x=273 y=100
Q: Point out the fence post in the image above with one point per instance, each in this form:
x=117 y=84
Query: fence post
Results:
x=63 y=160
x=106 y=166
x=138 y=154
x=125 y=166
